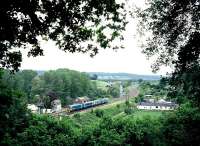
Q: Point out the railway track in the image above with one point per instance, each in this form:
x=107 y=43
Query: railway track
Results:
x=133 y=92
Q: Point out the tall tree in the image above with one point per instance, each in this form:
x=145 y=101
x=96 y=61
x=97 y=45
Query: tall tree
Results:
x=175 y=40
x=14 y=116
x=27 y=76
x=76 y=26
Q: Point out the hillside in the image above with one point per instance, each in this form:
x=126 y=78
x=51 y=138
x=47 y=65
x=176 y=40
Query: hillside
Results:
x=117 y=76
x=123 y=76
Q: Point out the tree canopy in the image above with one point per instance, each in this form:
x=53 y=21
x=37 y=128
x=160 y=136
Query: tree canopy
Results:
x=175 y=41
x=175 y=29
x=75 y=26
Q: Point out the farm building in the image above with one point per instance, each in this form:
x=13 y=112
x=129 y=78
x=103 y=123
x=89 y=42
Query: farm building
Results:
x=156 y=105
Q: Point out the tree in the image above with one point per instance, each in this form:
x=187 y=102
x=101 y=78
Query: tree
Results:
x=14 y=116
x=93 y=77
x=76 y=26
x=114 y=90
x=127 y=83
x=21 y=81
x=181 y=127
x=66 y=84
x=27 y=76
x=175 y=31
x=175 y=40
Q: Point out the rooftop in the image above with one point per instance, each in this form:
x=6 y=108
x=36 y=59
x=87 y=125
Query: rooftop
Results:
x=158 y=104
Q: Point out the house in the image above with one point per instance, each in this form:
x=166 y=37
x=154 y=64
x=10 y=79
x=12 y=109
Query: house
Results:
x=36 y=109
x=157 y=106
x=149 y=100
x=148 y=96
x=33 y=108
x=163 y=101
x=46 y=111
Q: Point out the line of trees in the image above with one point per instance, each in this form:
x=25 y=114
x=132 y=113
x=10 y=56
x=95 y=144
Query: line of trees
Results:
x=158 y=90
x=63 y=83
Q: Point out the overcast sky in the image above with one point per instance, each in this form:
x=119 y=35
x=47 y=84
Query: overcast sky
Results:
x=129 y=60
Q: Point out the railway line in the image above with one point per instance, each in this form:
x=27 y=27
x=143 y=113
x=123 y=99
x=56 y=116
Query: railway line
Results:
x=133 y=92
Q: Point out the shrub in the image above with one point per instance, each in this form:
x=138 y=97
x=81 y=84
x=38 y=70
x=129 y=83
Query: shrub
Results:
x=77 y=115
x=118 y=106
x=99 y=113
x=128 y=110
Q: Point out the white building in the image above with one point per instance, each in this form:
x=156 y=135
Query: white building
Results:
x=33 y=108
x=36 y=109
x=46 y=111
x=164 y=101
x=56 y=105
x=156 y=106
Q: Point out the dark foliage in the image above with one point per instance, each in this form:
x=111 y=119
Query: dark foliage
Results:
x=175 y=40
x=181 y=127
x=69 y=23
x=99 y=113
x=175 y=31
x=14 y=115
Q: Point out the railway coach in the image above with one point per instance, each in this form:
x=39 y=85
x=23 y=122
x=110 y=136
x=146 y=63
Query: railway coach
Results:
x=88 y=104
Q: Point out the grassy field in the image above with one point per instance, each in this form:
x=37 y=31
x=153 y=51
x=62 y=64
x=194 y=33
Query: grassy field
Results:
x=142 y=113
x=93 y=117
x=85 y=119
x=114 y=109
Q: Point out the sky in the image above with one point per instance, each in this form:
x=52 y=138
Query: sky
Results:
x=127 y=60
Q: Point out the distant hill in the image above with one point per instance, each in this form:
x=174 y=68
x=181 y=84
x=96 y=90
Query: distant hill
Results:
x=116 y=76
x=123 y=76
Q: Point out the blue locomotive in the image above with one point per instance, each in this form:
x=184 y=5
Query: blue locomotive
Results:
x=80 y=106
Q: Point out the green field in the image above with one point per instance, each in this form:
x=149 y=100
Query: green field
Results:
x=116 y=111
x=142 y=113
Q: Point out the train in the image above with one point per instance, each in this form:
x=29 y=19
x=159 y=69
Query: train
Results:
x=88 y=104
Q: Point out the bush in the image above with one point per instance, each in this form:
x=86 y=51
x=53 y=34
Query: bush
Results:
x=77 y=115
x=118 y=105
x=128 y=110
x=182 y=126
x=99 y=113
x=127 y=103
x=92 y=111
